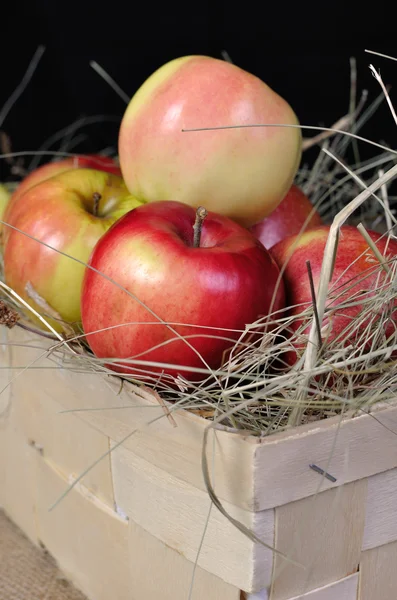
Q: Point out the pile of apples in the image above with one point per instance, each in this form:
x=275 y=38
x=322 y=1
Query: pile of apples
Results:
x=187 y=237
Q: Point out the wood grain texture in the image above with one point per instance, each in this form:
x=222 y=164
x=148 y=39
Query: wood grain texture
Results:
x=159 y=572
x=381 y=515
x=64 y=439
x=378 y=573
x=324 y=534
x=176 y=513
x=5 y=374
x=345 y=589
x=261 y=595
x=89 y=540
x=3 y=461
x=19 y=497
x=350 y=450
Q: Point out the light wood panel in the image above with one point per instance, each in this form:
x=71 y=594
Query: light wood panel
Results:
x=381 y=514
x=378 y=573
x=324 y=534
x=158 y=571
x=348 y=450
x=88 y=539
x=19 y=497
x=345 y=589
x=5 y=361
x=176 y=513
x=64 y=439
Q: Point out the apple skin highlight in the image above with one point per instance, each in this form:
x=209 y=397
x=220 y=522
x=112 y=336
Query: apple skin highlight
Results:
x=225 y=283
x=242 y=173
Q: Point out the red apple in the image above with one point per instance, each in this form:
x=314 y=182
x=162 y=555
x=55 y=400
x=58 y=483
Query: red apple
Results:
x=214 y=289
x=97 y=161
x=242 y=173
x=356 y=276
x=88 y=161
x=69 y=212
x=294 y=213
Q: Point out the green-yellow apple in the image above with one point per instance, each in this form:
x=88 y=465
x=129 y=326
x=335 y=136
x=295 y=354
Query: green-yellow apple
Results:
x=242 y=173
x=43 y=172
x=207 y=288
x=295 y=213
x=4 y=198
x=69 y=212
x=356 y=278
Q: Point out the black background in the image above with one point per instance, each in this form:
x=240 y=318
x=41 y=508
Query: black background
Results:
x=302 y=51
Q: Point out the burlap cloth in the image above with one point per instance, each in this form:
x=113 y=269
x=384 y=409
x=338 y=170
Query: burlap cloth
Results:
x=28 y=573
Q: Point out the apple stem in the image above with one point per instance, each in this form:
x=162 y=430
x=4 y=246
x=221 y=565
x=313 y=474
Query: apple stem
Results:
x=96 y=197
x=201 y=213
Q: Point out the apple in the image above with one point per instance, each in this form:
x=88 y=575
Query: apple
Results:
x=356 y=276
x=294 y=213
x=209 y=287
x=43 y=172
x=242 y=173
x=97 y=161
x=4 y=198
x=69 y=212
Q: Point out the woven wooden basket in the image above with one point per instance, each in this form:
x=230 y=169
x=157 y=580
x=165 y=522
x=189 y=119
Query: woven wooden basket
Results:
x=131 y=528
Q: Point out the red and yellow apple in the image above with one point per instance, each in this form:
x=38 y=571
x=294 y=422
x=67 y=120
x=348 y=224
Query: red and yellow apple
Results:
x=295 y=213
x=357 y=278
x=69 y=212
x=202 y=291
x=88 y=161
x=240 y=172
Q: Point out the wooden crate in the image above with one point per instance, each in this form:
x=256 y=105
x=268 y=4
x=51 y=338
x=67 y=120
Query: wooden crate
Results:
x=132 y=527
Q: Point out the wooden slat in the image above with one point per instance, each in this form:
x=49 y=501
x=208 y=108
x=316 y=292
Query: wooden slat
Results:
x=89 y=540
x=176 y=513
x=5 y=373
x=158 y=572
x=378 y=573
x=5 y=360
x=64 y=439
x=351 y=450
x=381 y=515
x=344 y=589
x=324 y=534
x=3 y=460
x=20 y=477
